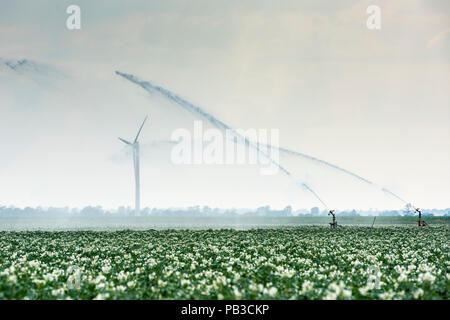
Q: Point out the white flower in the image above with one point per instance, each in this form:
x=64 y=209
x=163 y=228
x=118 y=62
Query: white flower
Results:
x=271 y=291
x=121 y=288
x=426 y=277
x=429 y=277
x=364 y=290
x=185 y=282
x=34 y=264
x=100 y=286
x=387 y=295
x=331 y=295
x=161 y=283
x=100 y=278
x=58 y=292
x=102 y=296
x=38 y=281
x=236 y=292
x=307 y=286
x=334 y=287
x=12 y=278
x=346 y=293
x=48 y=277
x=402 y=277
x=122 y=276
x=418 y=293
x=106 y=269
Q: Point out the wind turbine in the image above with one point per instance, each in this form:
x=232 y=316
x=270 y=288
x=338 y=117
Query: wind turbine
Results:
x=135 y=146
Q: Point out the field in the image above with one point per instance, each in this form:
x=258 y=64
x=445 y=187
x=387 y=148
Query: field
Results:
x=304 y=262
x=242 y=222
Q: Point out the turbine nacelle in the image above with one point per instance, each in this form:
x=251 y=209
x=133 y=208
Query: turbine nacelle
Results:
x=137 y=135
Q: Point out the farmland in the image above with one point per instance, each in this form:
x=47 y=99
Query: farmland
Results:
x=303 y=262
x=240 y=222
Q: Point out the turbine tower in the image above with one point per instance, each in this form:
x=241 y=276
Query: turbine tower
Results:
x=135 y=146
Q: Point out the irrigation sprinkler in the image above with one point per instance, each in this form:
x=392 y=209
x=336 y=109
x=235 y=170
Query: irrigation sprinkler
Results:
x=334 y=223
x=422 y=223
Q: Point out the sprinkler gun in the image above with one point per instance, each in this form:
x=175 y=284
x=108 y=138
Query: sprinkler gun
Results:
x=422 y=223
x=334 y=223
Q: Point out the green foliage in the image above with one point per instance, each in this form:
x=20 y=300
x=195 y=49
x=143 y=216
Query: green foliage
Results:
x=313 y=262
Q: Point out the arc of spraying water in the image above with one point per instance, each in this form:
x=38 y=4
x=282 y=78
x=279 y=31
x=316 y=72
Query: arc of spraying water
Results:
x=197 y=110
x=192 y=108
x=393 y=194
x=385 y=190
x=299 y=154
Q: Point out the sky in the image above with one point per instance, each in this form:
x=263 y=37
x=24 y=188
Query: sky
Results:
x=375 y=102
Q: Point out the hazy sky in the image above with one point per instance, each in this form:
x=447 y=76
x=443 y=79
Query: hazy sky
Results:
x=376 y=102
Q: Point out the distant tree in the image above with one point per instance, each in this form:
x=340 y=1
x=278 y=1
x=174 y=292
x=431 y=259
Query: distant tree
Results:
x=408 y=213
x=352 y=213
x=206 y=210
x=146 y=211
x=288 y=210
x=92 y=211
x=389 y=213
x=315 y=211
x=194 y=209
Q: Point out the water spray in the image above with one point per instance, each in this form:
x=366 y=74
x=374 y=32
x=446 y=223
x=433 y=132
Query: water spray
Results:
x=219 y=124
x=323 y=162
x=315 y=194
x=393 y=194
x=216 y=122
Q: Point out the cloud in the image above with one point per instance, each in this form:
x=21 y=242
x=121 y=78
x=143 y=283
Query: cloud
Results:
x=441 y=36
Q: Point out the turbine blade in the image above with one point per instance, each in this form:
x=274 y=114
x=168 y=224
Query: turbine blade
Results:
x=125 y=141
x=139 y=132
